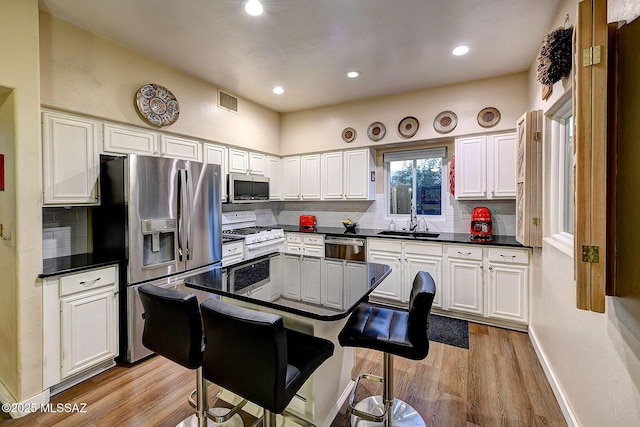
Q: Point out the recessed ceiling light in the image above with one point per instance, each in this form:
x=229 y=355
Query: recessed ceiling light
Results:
x=253 y=7
x=353 y=74
x=278 y=90
x=460 y=50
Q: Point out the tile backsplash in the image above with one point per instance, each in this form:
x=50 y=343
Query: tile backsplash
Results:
x=64 y=231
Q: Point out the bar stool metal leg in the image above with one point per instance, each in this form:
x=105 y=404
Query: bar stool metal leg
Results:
x=384 y=410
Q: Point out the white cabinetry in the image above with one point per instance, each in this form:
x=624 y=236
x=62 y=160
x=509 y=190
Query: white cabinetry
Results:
x=406 y=259
x=348 y=175
x=180 y=148
x=71 y=159
x=485 y=167
x=80 y=313
x=305 y=244
x=490 y=282
x=301 y=176
x=217 y=154
x=241 y=161
x=508 y=272
x=232 y=252
x=129 y=140
x=466 y=290
x=273 y=173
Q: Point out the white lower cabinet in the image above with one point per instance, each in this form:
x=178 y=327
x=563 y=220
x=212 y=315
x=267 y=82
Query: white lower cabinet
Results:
x=80 y=324
x=405 y=259
x=232 y=252
x=304 y=244
x=490 y=284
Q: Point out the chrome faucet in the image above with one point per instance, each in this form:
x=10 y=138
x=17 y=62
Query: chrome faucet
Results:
x=413 y=220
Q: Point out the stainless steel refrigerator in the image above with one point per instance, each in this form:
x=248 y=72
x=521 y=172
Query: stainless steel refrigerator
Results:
x=163 y=218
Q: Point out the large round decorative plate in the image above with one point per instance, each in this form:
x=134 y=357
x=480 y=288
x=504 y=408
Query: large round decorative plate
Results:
x=445 y=122
x=408 y=127
x=157 y=105
x=376 y=131
x=488 y=117
x=348 y=134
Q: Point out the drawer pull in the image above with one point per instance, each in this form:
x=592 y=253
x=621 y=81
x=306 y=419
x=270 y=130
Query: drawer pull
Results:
x=89 y=282
x=508 y=256
x=464 y=253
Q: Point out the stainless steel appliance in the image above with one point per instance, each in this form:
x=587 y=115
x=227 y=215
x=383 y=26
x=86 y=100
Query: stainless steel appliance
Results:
x=163 y=216
x=350 y=248
x=247 y=188
x=258 y=240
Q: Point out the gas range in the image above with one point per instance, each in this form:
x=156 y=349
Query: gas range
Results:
x=256 y=234
x=258 y=240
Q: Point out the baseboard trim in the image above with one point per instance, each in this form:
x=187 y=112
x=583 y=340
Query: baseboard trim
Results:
x=569 y=416
x=25 y=407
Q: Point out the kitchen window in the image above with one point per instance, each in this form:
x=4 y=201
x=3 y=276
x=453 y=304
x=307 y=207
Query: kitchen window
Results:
x=415 y=178
x=562 y=168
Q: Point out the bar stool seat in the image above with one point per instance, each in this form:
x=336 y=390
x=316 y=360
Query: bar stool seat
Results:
x=394 y=332
x=173 y=329
x=251 y=354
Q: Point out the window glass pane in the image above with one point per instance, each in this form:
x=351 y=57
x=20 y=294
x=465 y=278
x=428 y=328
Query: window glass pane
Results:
x=429 y=186
x=400 y=186
x=567 y=225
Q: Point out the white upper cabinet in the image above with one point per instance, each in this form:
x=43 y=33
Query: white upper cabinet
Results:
x=310 y=177
x=291 y=178
x=129 y=140
x=348 y=175
x=217 y=154
x=71 y=159
x=485 y=167
x=238 y=161
x=180 y=148
x=241 y=161
x=273 y=172
x=332 y=176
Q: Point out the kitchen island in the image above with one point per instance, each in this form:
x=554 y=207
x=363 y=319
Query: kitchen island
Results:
x=314 y=295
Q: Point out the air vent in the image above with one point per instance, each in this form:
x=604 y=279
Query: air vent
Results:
x=227 y=102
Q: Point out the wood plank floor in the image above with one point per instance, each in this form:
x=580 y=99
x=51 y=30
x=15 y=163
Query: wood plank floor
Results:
x=497 y=382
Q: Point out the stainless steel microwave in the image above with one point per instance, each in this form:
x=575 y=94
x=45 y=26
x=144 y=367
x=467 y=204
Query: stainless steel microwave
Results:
x=247 y=188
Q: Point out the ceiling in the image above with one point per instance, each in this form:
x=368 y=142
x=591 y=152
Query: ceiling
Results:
x=307 y=46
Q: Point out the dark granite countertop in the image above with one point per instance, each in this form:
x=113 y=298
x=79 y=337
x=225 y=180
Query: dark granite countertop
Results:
x=73 y=264
x=442 y=238
x=279 y=281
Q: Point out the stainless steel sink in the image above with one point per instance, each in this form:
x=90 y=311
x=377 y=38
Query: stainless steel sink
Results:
x=410 y=234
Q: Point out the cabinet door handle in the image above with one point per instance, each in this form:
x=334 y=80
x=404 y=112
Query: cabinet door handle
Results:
x=89 y=282
x=491 y=268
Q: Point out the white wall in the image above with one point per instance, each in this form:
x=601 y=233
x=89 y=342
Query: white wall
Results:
x=592 y=358
x=320 y=129
x=20 y=262
x=87 y=74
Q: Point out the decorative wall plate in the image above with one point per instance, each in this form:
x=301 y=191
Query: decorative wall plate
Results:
x=445 y=122
x=488 y=117
x=348 y=134
x=376 y=131
x=408 y=126
x=157 y=105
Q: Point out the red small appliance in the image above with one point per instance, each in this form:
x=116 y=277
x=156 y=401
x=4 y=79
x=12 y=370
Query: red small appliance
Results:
x=308 y=223
x=481 y=224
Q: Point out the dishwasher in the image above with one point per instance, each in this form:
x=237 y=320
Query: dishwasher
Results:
x=349 y=248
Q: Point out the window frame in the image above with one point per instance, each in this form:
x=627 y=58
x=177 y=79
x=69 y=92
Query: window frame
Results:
x=444 y=171
x=559 y=131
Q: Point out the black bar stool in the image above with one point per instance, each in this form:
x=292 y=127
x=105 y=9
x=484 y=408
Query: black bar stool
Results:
x=173 y=329
x=394 y=332
x=251 y=354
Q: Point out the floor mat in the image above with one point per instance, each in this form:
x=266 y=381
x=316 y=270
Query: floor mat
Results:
x=447 y=330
